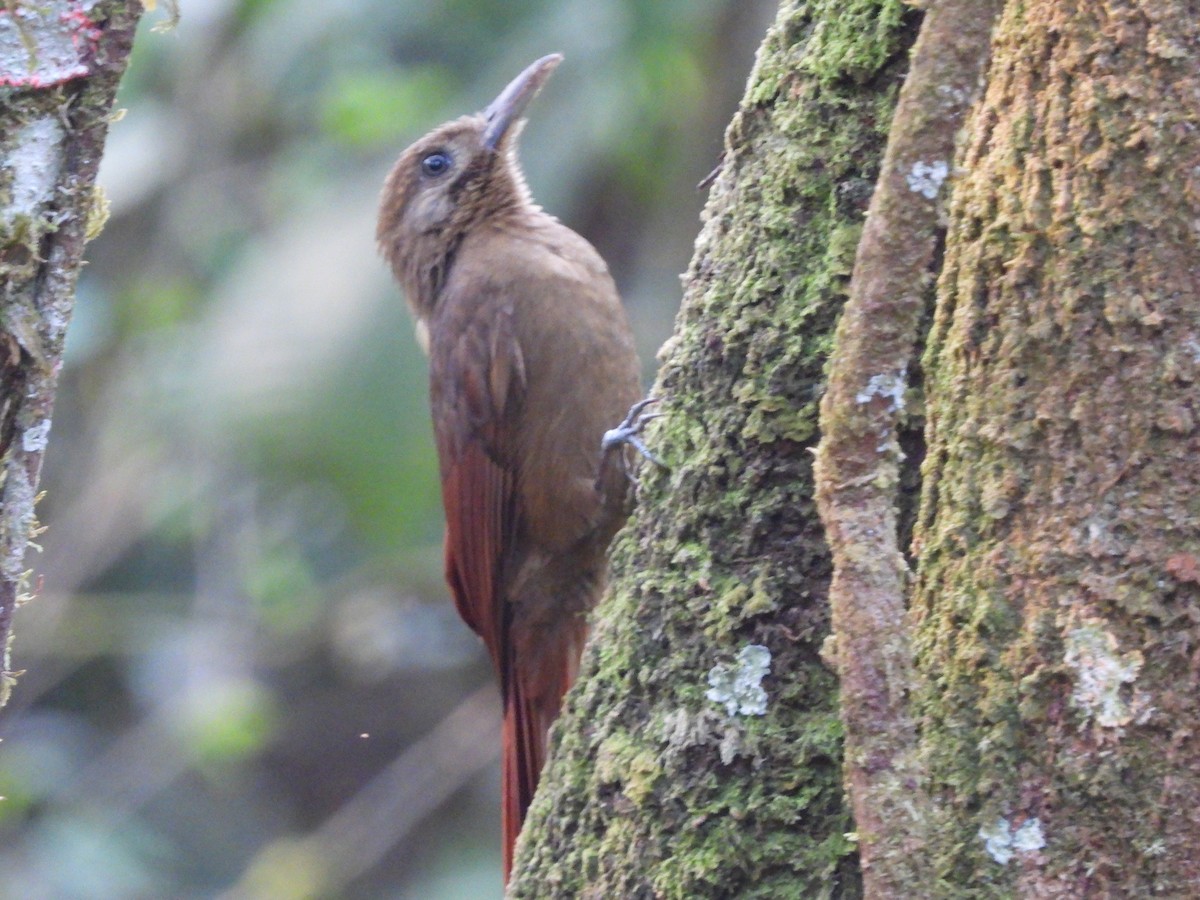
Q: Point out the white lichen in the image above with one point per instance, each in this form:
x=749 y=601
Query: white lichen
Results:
x=34 y=162
x=739 y=687
x=1156 y=847
x=926 y=178
x=16 y=522
x=1100 y=672
x=1003 y=843
x=997 y=840
x=1029 y=837
x=887 y=385
x=955 y=96
x=35 y=438
x=1191 y=345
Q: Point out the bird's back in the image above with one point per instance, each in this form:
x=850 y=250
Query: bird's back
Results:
x=540 y=299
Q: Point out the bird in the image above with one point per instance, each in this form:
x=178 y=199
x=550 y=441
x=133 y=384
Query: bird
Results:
x=531 y=361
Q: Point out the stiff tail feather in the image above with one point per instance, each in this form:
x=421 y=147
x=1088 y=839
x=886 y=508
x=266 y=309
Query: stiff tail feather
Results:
x=533 y=696
x=524 y=741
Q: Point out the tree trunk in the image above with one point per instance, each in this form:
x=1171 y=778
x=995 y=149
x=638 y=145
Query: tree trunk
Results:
x=701 y=754
x=1058 y=608
x=1054 y=615
x=60 y=63
x=860 y=460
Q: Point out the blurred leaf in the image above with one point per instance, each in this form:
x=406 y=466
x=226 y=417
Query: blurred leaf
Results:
x=287 y=869
x=153 y=303
x=250 y=10
x=375 y=108
x=229 y=721
x=282 y=585
x=18 y=792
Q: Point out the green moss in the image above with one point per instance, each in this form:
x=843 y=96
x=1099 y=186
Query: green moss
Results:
x=853 y=39
x=1053 y=491
x=621 y=761
x=653 y=790
x=98 y=211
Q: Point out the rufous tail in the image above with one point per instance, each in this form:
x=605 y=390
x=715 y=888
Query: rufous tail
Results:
x=524 y=741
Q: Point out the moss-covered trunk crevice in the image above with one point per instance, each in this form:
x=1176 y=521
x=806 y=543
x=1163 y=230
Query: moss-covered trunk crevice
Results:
x=860 y=466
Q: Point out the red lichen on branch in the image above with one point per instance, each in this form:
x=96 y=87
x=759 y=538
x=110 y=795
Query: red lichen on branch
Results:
x=40 y=48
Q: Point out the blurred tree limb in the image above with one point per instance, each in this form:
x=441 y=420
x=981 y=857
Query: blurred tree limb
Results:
x=357 y=836
x=60 y=64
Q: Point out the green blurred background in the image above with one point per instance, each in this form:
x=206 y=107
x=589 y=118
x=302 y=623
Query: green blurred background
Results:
x=244 y=677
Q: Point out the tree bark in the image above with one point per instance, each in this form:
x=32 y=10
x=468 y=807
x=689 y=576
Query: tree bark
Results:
x=700 y=755
x=859 y=459
x=1057 y=551
x=1059 y=541
x=60 y=63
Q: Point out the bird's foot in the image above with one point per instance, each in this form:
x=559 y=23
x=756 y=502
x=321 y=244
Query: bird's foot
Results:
x=628 y=433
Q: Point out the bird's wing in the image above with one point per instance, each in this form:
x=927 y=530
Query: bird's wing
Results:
x=478 y=381
x=477 y=377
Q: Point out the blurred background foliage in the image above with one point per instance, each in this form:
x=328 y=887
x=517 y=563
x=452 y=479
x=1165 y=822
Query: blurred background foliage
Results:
x=244 y=676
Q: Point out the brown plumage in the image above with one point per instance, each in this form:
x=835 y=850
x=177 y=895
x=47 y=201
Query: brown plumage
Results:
x=531 y=361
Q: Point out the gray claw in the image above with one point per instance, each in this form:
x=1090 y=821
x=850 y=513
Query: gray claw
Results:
x=629 y=431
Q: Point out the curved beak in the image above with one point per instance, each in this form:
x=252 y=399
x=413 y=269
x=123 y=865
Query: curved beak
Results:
x=510 y=105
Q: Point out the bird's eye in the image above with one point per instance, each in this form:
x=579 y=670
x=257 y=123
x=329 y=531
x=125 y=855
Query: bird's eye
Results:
x=435 y=163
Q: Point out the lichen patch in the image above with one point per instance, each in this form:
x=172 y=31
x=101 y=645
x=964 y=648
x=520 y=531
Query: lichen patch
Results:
x=1100 y=671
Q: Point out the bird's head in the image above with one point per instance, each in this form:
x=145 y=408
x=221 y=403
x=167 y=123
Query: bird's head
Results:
x=450 y=180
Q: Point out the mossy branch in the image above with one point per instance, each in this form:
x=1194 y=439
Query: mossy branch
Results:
x=60 y=76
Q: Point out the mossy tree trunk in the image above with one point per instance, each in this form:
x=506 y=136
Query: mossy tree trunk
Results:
x=60 y=63
x=701 y=754
x=1058 y=606
x=1054 y=713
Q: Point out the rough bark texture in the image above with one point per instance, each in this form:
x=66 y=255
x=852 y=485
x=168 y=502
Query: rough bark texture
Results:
x=60 y=63
x=680 y=770
x=1059 y=586
x=859 y=459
